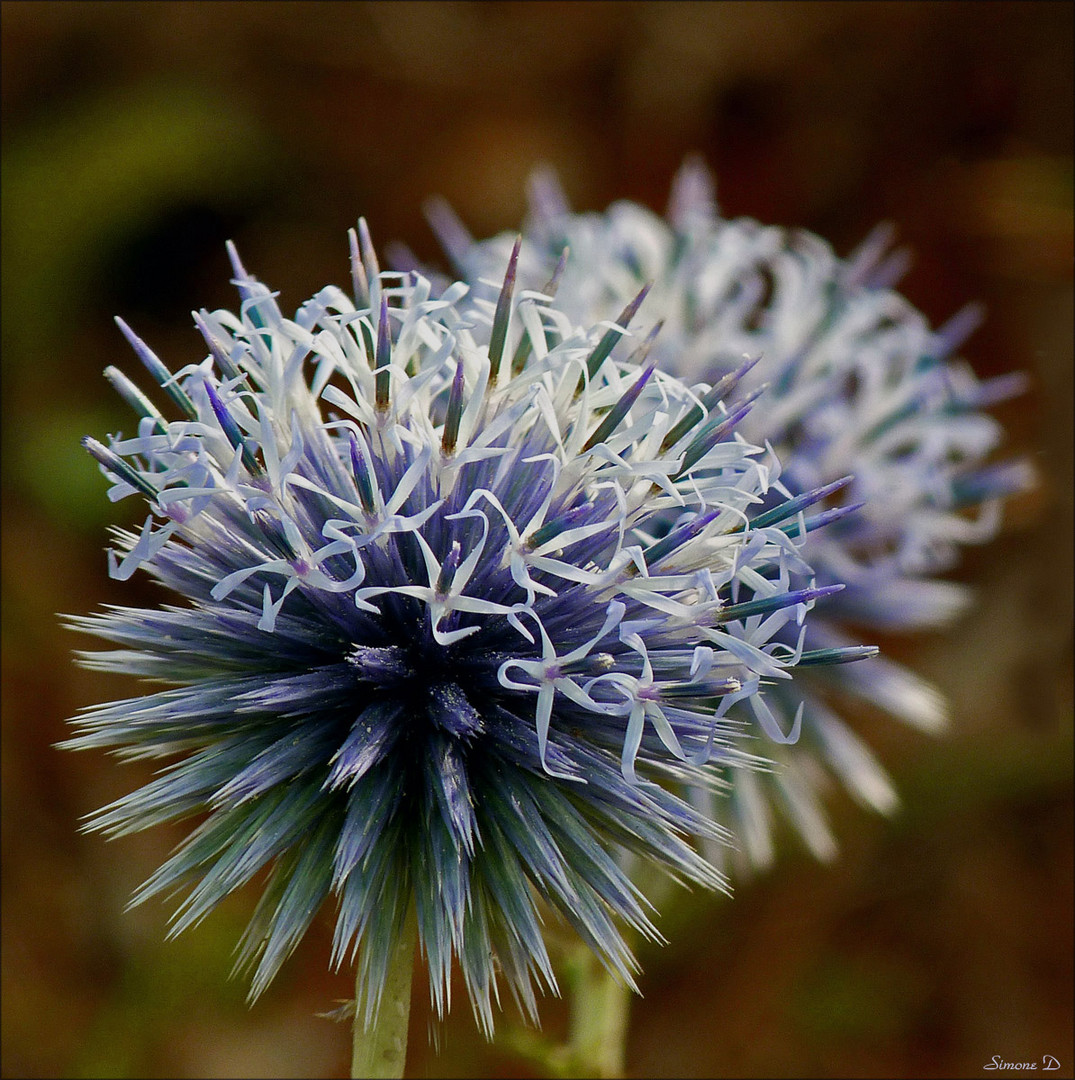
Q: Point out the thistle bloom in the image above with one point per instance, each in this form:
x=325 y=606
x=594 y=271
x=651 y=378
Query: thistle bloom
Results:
x=856 y=383
x=468 y=600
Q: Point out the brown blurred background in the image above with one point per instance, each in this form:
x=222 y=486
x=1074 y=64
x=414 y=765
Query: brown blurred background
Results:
x=139 y=136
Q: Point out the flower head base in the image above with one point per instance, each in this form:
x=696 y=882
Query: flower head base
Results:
x=469 y=601
x=856 y=383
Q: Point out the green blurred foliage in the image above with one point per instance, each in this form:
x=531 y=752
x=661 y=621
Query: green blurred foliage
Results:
x=77 y=188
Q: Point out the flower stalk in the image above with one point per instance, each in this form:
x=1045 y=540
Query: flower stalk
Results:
x=600 y=1007
x=380 y=1048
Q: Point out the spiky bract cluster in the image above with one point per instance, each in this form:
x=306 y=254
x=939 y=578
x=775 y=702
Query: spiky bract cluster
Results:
x=856 y=383
x=467 y=603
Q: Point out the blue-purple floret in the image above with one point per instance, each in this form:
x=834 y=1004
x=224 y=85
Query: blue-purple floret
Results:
x=467 y=605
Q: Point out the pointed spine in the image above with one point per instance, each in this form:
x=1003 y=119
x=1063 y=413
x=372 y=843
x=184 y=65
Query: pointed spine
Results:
x=716 y=393
x=611 y=337
x=678 y=537
x=849 y=654
x=360 y=285
x=156 y=368
x=223 y=361
x=819 y=521
x=384 y=358
x=766 y=604
x=455 y=413
x=502 y=316
x=135 y=398
x=231 y=429
x=712 y=432
x=800 y=502
x=525 y=346
x=116 y=465
x=362 y=477
x=622 y=407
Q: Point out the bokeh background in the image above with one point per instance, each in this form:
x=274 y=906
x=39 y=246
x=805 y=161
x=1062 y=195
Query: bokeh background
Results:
x=137 y=137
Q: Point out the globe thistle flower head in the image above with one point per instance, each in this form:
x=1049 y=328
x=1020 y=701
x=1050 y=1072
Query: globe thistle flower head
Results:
x=467 y=600
x=856 y=383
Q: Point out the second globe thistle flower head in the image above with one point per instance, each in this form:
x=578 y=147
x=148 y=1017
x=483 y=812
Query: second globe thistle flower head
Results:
x=467 y=601
x=857 y=382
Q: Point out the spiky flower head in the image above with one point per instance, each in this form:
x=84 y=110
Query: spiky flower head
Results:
x=856 y=382
x=467 y=600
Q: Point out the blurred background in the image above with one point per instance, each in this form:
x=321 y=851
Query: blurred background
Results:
x=138 y=137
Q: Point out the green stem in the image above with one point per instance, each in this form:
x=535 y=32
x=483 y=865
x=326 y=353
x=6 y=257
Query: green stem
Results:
x=601 y=1005
x=380 y=1051
x=599 y=1010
